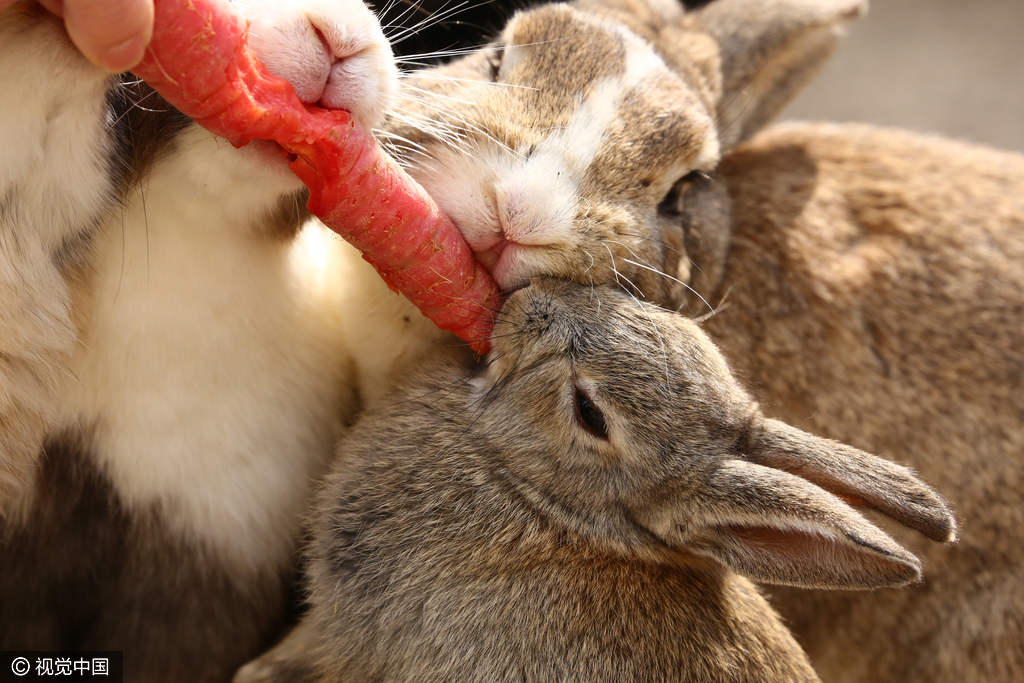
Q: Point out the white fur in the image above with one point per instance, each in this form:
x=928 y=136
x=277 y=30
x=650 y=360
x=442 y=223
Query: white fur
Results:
x=208 y=373
x=462 y=185
x=333 y=51
x=52 y=156
x=536 y=200
x=211 y=375
x=54 y=186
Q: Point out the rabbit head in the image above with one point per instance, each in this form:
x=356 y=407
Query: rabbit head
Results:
x=564 y=147
x=623 y=421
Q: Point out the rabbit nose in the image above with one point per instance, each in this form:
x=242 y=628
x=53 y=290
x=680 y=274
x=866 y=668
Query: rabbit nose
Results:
x=524 y=226
x=333 y=59
x=532 y=216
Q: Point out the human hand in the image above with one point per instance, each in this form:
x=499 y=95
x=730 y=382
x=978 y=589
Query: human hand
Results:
x=112 y=34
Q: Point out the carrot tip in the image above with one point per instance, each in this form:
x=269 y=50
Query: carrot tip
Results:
x=199 y=60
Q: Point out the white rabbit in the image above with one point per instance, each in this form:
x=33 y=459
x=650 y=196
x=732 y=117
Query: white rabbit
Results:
x=172 y=364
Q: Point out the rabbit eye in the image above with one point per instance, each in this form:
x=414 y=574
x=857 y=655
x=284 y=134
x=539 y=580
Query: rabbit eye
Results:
x=672 y=205
x=697 y=176
x=590 y=416
x=494 y=62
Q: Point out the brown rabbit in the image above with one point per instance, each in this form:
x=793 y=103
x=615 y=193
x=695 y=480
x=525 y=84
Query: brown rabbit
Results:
x=584 y=507
x=874 y=282
x=874 y=294
x=554 y=148
x=562 y=148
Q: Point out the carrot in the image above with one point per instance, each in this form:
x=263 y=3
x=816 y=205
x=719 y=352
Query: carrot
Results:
x=200 y=62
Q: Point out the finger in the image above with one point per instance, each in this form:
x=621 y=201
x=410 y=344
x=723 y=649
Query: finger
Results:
x=112 y=34
x=53 y=6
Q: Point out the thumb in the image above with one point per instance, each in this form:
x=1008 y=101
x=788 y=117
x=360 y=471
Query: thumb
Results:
x=112 y=34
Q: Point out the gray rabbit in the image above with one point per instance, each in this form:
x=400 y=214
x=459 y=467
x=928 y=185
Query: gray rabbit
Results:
x=589 y=505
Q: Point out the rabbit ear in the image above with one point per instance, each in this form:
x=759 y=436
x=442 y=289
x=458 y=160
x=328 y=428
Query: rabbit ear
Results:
x=768 y=50
x=784 y=514
x=859 y=478
x=293 y=660
x=777 y=528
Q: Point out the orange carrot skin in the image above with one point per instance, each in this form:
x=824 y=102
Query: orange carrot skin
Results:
x=200 y=62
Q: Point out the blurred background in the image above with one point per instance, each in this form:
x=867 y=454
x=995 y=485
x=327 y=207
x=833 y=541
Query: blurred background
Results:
x=954 y=67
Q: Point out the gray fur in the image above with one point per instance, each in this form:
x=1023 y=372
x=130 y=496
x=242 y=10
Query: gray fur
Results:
x=472 y=530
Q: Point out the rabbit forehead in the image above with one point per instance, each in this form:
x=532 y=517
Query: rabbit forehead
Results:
x=635 y=349
x=580 y=82
x=561 y=52
x=596 y=103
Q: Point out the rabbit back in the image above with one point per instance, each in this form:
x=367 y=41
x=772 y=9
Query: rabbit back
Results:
x=875 y=295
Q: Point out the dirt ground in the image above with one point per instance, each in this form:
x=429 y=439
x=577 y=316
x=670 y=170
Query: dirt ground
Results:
x=954 y=67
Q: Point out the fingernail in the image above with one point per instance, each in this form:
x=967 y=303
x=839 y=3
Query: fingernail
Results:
x=123 y=56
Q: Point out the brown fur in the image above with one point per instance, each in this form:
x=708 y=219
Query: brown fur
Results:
x=83 y=573
x=657 y=92
x=473 y=529
x=745 y=58
x=875 y=294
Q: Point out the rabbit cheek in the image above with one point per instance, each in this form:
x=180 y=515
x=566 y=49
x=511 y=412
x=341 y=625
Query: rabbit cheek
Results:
x=519 y=217
x=462 y=186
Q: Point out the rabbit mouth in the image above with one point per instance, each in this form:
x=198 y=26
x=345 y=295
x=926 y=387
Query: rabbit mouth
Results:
x=490 y=256
x=511 y=264
x=516 y=264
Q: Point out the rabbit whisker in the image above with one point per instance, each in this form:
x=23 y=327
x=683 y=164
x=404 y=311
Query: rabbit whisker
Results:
x=481 y=404
x=664 y=246
x=619 y=277
x=666 y=275
x=428 y=21
x=661 y=341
